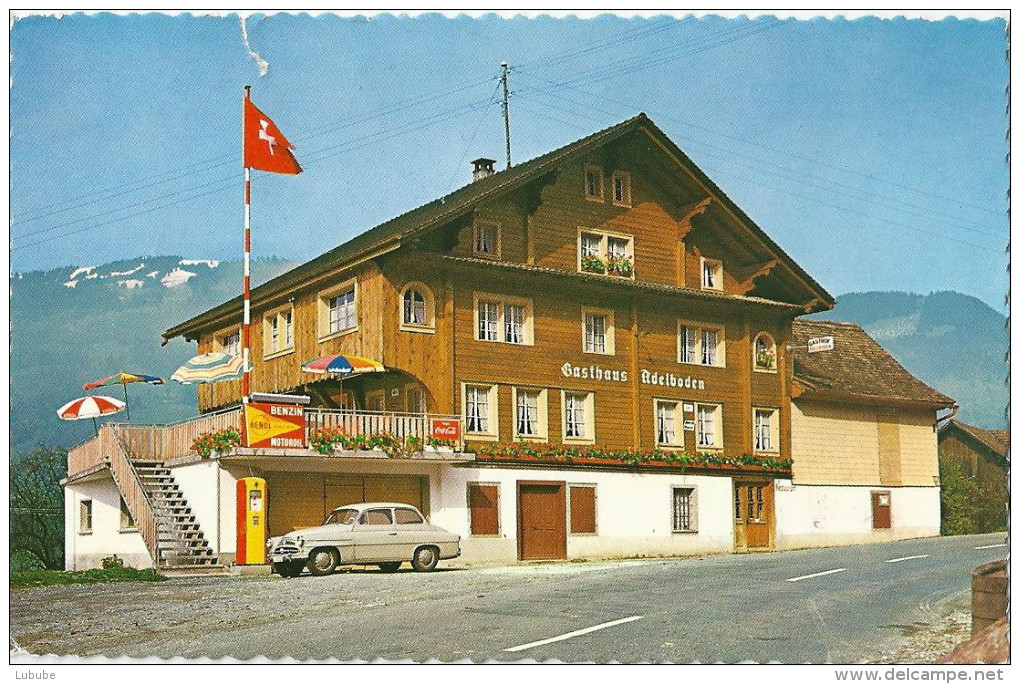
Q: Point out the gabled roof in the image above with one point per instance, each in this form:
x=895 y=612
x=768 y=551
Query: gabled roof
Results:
x=995 y=440
x=388 y=235
x=857 y=368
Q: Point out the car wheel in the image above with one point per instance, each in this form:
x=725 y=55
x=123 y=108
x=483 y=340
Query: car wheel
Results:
x=390 y=567
x=426 y=558
x=323 y=561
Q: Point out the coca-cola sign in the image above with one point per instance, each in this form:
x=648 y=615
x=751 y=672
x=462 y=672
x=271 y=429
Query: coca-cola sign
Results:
x=445 y=428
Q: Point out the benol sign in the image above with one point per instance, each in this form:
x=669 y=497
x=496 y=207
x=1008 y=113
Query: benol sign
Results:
x=645 y=377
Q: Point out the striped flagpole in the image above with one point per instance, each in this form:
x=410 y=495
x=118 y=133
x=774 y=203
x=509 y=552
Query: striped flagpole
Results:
x=246 y=325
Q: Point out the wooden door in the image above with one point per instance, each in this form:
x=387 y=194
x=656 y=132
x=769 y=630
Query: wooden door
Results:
x=541 y=520
x=881 y=510
x=753 y=515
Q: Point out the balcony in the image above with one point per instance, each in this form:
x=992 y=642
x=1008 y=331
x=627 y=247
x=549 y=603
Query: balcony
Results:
x=170 y=442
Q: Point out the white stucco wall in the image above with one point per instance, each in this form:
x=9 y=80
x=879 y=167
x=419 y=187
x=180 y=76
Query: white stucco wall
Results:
x=829 y=515
x=633 y=513
x=215 y=510
x=83 y=551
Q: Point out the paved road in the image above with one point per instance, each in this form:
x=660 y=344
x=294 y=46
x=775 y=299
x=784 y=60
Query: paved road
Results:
x=759 y=607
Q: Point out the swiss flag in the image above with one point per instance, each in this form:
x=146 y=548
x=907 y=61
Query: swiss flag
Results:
x=265 y=147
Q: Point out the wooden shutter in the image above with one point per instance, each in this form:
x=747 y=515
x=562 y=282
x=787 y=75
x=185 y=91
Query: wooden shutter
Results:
x=582 y=509
x=483 y=503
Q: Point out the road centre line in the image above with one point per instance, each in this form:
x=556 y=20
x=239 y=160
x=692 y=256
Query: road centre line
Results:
x=905 y=558
x=990 y=546
x=570 y=635
x=817 y=574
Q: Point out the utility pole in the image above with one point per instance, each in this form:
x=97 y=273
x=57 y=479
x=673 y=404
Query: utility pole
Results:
x=506 y=108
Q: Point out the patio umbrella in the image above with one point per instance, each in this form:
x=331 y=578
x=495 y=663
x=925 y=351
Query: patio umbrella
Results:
x=210 y=368
x=343 y=366
x=124 y=379
x=92 y=406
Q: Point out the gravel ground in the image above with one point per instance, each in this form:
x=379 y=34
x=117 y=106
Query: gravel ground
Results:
x=931 y=642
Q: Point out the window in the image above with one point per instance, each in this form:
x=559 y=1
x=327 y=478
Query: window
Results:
x=377 y=516
x=766 y=429
x=530 y=411
x=707 y=425
x=85 y=516
x=126 y=521
x=764 y=353
x=683 y=509
x=483 y=508
x=605 y=253
x=231 y=343
x=593 y=181
x=499 y=318
x=711 y=274
x=582 y=509
x=578 y=417
x=338 y=310
x=278 y=336
x=700 y=345
x=598 y=332
x=405 y=516
x=621 y=188
x=667 y=415
x=415 y=400
x=487 y=240
x=480 y=411
x=417 y=308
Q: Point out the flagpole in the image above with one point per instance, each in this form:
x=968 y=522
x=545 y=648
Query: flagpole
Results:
x=246 y=325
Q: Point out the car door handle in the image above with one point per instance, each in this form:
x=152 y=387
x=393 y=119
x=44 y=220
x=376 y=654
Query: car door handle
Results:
x=393 y=534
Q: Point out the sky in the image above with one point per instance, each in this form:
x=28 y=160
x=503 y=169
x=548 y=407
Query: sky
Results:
x=873 y=151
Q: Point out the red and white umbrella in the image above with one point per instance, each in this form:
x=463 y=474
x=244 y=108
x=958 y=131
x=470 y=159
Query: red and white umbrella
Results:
x=92 y=407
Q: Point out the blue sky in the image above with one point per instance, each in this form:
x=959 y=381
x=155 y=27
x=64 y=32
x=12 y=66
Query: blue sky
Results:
x=871 y=150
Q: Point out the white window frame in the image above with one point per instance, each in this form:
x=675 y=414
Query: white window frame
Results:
x=221 y=338
x=491 y=433
x=502 y=302
x=322 y=309
x=603 y=252
x=430 y=308
x=601 y=196
x=692 y=508
x=717 y=427
x=541 y=414
x=772 y=347
x=610 y=330
x=717 y=268
x=589 y=417
x=678 y=422
x=131 y=525
x=278 y=316
x=497 y=239
x=86 y=505
x=773 y=414
x=624 y=177
x=699 y=330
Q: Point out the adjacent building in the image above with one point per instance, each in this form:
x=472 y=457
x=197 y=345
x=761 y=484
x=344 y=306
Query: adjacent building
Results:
x=614 y=340
x=982 y=456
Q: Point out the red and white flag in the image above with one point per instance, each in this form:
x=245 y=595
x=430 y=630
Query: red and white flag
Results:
x=265 y=147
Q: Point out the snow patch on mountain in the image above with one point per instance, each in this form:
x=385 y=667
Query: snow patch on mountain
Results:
x=152 y=274
x=136 y=269
x=71 y=283
x=176 y=277
x=81 y=269
x=211 y=263
x=131 y=284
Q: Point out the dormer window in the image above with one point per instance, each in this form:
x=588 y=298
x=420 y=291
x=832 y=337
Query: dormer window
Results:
x=487 y=240
x=621 y=188
x=593 y=181
x=711 y=274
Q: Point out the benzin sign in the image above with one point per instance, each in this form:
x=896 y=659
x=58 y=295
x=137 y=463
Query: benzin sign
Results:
x=274 y=426
x=646 y=377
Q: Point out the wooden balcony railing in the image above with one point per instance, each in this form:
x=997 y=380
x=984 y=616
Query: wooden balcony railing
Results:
x=167 y=442
x=86 y=455
x=353 y=423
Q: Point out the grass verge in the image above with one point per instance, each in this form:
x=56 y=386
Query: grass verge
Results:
x=44 y=578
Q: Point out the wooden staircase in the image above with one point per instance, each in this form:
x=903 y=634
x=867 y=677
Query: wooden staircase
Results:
x=180 y=542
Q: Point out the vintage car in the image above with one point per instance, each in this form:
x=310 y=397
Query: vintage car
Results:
x=383 y=534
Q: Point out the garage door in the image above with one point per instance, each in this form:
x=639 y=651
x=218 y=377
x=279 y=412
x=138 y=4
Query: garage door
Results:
x=304 y=500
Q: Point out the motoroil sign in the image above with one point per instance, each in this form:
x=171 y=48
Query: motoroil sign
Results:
x=274 y=426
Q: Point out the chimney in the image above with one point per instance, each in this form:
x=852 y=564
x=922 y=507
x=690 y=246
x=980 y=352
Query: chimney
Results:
x=483 y=168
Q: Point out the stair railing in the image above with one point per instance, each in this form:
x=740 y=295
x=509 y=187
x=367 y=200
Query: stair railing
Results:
x=130 y=486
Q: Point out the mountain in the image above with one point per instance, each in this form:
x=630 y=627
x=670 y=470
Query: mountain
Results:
x=73 y=325
x=954 y=342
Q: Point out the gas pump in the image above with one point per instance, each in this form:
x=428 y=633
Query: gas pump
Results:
x=251 y=521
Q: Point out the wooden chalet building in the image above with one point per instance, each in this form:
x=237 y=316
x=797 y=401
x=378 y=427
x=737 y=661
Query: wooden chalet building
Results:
x=607 y=328
x=983 y=456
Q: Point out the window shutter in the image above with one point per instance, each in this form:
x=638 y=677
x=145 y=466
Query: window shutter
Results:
x=483 y=503
x=582 y=510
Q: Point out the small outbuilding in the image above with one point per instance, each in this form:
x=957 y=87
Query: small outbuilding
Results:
x=983 y=457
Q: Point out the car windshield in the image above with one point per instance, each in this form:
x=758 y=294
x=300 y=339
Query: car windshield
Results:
x=342 y=516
